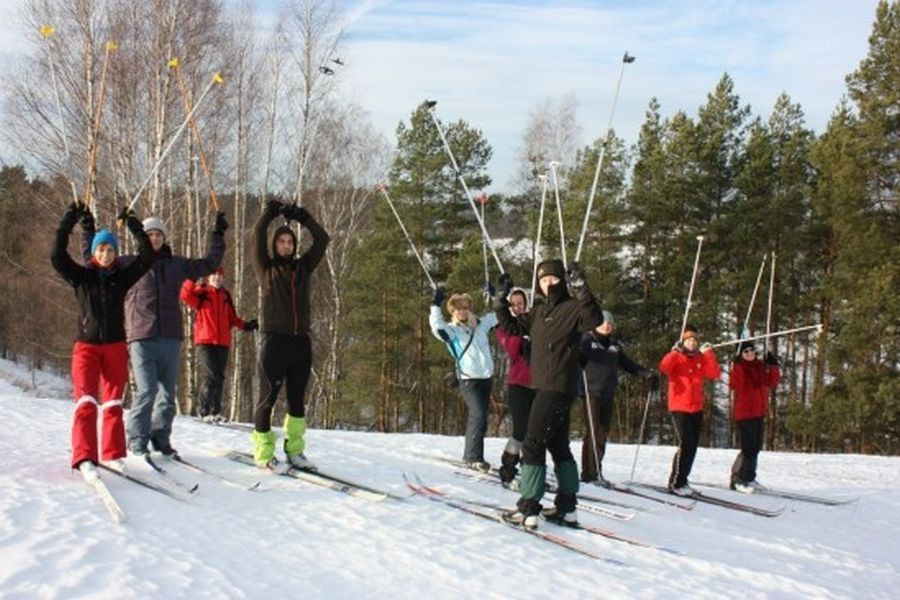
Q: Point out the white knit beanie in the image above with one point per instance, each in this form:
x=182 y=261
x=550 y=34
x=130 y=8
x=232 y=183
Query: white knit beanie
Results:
x=155 y=223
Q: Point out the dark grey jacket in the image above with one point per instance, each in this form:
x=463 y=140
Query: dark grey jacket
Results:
x=151 y=305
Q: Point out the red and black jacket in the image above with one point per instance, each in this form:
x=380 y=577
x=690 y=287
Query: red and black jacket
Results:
x=100 y=293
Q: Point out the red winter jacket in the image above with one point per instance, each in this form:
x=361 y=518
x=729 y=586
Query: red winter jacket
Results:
x=215 y=313
x=686 y=372
x=751 y=382
x=518 y=371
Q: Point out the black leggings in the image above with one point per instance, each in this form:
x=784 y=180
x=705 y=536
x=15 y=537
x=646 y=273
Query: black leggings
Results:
x=284 y=359
x=601 y=411
x=519 y=399
x=688 y=426
x=211 y=367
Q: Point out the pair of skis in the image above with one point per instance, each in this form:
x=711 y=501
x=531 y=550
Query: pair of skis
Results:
x=787 y=495
x=718 y=501
x=321 y=479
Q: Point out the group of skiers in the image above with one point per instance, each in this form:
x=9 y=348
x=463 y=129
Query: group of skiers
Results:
x=566 y=346
x=563 y=347
x=129 y=309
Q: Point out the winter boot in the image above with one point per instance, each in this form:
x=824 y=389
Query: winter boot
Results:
x=568 y=519
x=481 y=466
x=683 y=490
x=742 y=487
x=294 y=443
x=263 y=448
x=520 y=519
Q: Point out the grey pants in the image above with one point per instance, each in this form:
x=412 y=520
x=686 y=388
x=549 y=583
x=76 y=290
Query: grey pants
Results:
x=477 y=394
x=155 y=364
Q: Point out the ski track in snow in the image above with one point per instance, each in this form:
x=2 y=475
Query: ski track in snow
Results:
x=295 y=539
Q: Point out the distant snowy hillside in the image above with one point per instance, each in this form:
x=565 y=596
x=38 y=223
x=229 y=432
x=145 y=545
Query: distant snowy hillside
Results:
x=295 y=540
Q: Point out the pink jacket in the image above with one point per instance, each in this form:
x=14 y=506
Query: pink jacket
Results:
x=518 y=371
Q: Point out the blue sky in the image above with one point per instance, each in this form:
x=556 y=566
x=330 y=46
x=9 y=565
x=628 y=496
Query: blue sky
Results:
x=490 y=63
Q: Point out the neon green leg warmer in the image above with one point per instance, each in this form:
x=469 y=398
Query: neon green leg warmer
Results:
x=294 y=430
x=263 y=447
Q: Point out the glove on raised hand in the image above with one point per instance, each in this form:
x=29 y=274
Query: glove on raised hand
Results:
x=221 y=224
x=438 y=298
x=251 y=325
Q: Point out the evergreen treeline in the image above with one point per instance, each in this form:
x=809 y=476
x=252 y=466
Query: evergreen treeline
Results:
x=826 y=205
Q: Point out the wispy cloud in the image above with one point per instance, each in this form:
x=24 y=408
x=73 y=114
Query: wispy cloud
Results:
x=491 y=62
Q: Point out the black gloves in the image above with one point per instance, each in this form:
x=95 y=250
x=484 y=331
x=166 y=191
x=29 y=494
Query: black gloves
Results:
x=87 y=219
x=251 y=325
x=438 y=296
x=221 y=224
x=274 y=208
x=490 y=290
x=771 y=359
x=134 y=224
x=652 y=378
x=295 y=213
x=69 y=219
x=506 y=285
x=575 y=277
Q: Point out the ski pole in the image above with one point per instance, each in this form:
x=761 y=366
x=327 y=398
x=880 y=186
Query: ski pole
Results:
x=746 y=329
x=175 y=64
x=95 y=149
x=626 y=60
x=771 y=299
x=216 y=79
x=47 y=32
x=687 y=308
x=640 y=439
x=562 y=233
x=430 y=104
x=537 y=245
x=766 y=336
x=383 y=189
x=482 y=200
x=590 y=416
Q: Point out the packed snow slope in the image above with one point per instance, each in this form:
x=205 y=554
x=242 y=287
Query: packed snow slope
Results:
x=295 y=540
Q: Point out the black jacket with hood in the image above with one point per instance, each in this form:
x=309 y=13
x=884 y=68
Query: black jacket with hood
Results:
x=555 y=328
x=285 y=281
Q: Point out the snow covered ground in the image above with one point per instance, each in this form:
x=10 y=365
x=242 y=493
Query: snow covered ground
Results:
x=300 y=541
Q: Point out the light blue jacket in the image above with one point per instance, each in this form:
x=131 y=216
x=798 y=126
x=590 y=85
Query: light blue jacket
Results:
x=477 y=361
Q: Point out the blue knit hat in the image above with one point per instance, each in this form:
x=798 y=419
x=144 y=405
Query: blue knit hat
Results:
x=104 y=236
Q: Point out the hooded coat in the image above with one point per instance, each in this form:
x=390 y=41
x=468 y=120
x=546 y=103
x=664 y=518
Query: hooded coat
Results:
x=285 y=281
x=555 y=329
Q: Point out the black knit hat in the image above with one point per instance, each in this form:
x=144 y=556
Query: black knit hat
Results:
x=552 y=267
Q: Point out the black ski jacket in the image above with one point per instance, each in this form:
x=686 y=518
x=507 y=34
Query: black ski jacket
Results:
x=285 y=282
x=601 y=357
x=101 y=292
x=555 y=329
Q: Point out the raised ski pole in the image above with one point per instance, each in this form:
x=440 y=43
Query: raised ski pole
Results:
x=537 y=244
x=562 y=233
x=216 y=79
x=771 y=300
x=687 y=308
x=47 y=32
x=95 y=148
x=175 y=64
x=384 y=190
x=746 y=329
x=817 y=327
x=626 y=60
x=430 y=104
x=482 y=200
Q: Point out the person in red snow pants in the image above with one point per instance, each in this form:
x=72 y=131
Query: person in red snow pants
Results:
x=100 y=355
